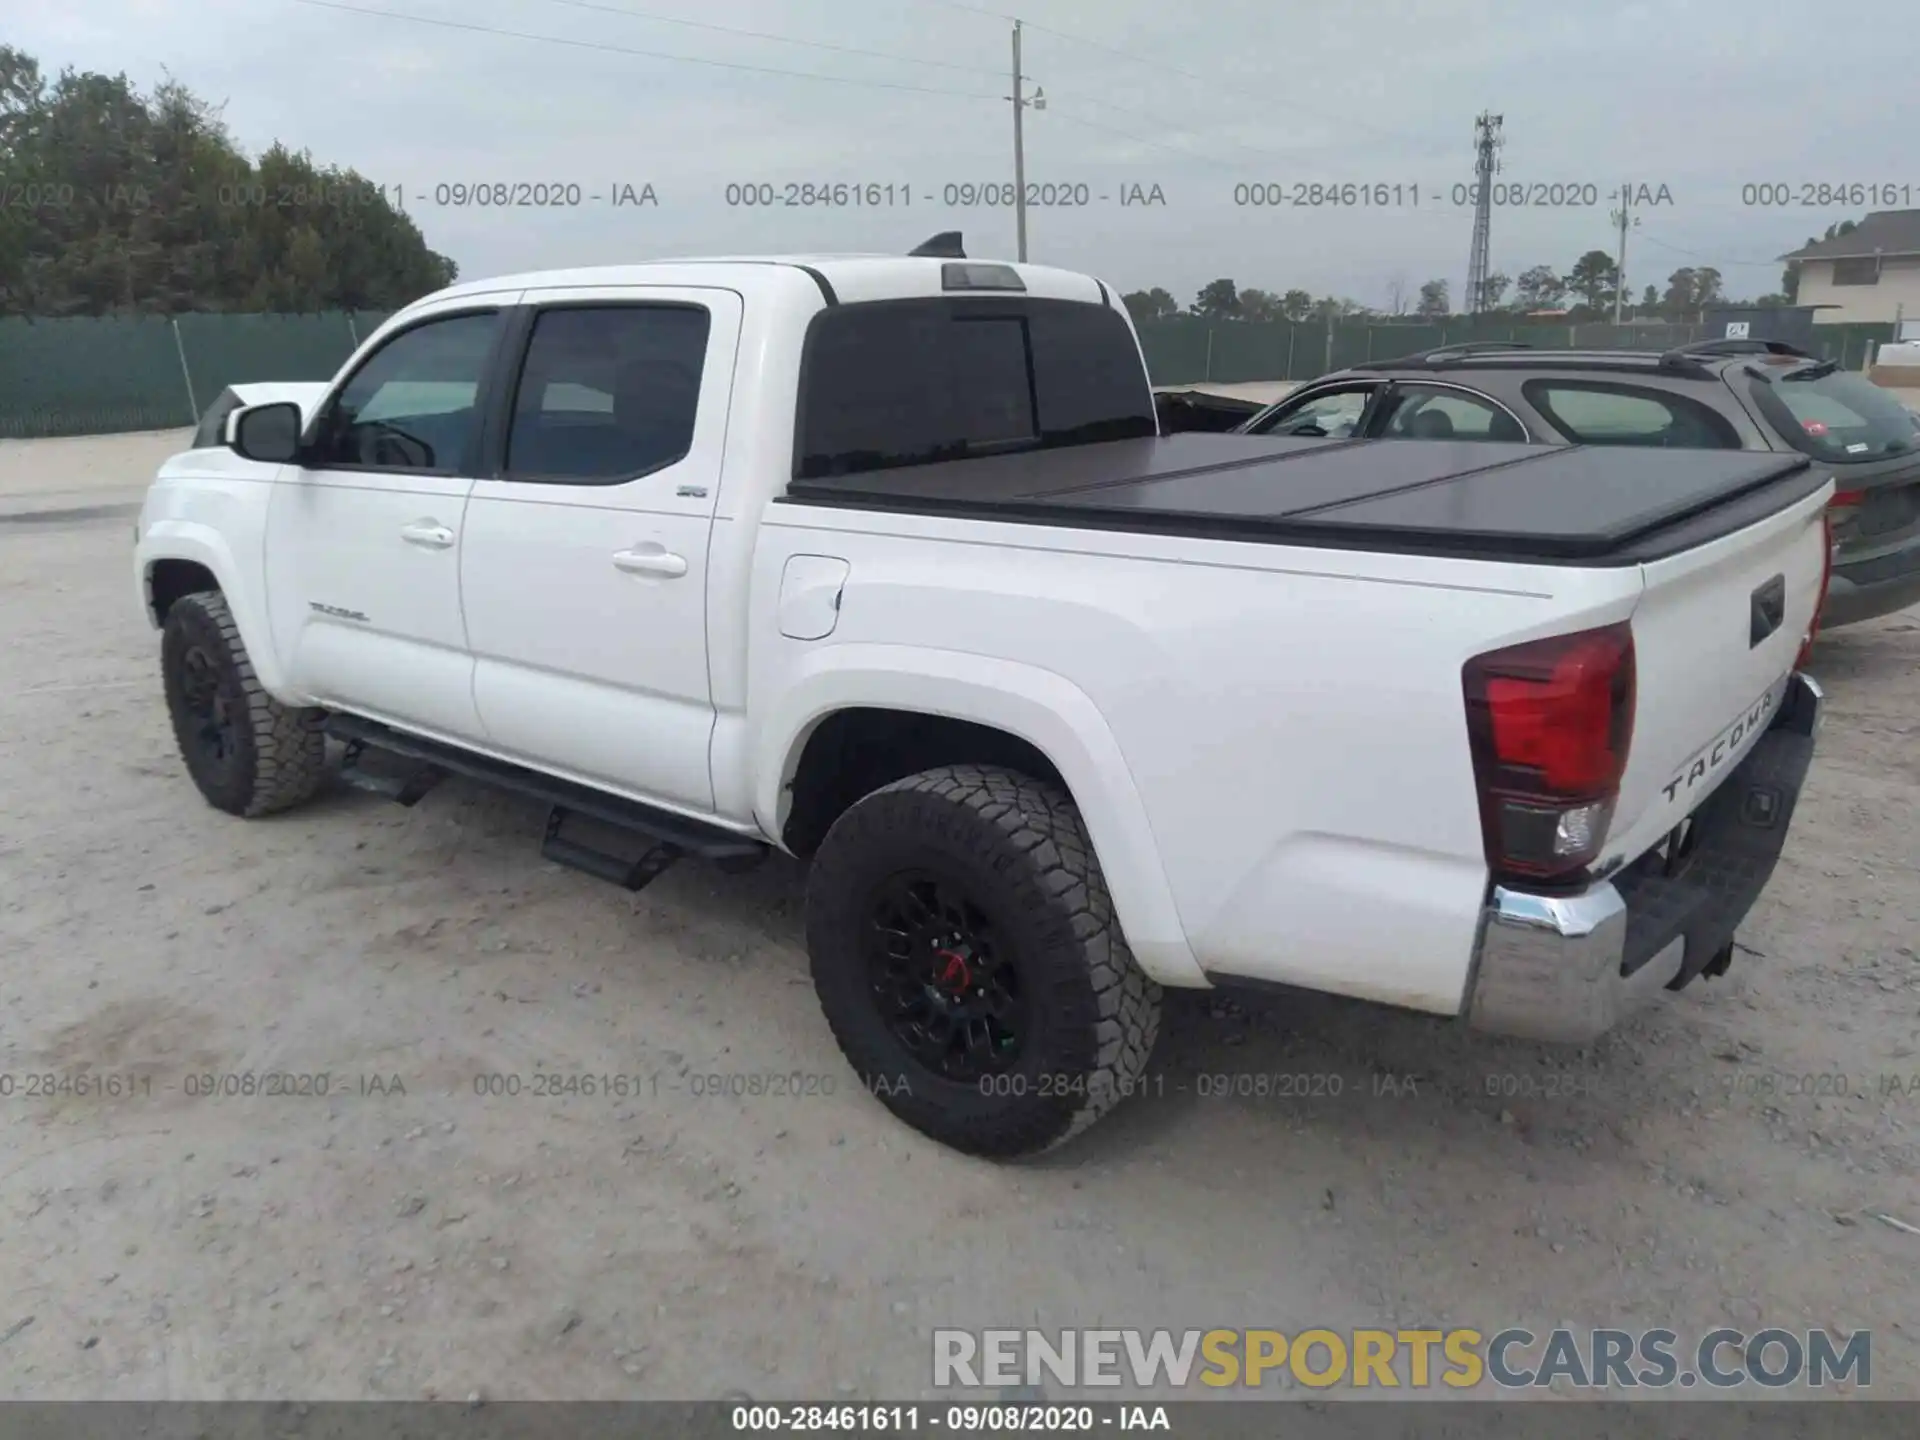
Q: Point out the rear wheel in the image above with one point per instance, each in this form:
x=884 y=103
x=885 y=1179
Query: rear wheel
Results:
x=248 y=753
x=966 y=955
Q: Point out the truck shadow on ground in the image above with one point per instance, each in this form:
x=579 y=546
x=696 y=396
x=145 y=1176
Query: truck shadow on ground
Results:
x=1326 y=1068
x=1332 y=1069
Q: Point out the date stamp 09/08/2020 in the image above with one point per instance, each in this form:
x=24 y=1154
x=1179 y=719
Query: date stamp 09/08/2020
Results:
x=554 y=1085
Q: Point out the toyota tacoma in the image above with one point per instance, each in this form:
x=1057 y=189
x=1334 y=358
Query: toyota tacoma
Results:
x=882 y=561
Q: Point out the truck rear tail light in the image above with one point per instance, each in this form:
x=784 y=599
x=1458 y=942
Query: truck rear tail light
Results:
x=1550 y=723
x=1826 y=581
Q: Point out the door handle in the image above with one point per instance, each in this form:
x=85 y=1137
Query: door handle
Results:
x=429 y=534
x=651 y=559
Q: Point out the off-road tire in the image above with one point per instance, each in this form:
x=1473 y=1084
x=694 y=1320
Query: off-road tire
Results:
x=1018 y=847
x=278 y=752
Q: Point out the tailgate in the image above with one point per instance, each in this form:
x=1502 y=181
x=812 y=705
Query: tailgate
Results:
x=1715 y=634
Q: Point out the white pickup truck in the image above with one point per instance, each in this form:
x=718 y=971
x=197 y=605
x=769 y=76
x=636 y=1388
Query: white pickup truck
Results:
x=880 y=561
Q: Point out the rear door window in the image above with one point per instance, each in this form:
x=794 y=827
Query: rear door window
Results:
x=1333 y=413
x=1594 y=413
x=893 y=383
x=1427 y=412
x=1836 y=416
x=607 y=393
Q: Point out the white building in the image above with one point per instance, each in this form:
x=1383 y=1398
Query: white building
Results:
x=1871 y=273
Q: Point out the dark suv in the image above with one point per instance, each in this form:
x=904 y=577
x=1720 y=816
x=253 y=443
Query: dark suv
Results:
x=1717 y=395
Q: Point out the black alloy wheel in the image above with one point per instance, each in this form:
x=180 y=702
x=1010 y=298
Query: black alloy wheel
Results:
x=944 y=982
x=211 y=732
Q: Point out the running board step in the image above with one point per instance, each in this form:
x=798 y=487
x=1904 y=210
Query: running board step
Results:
x=666 y=836
x=629 y=873
x=406 y=788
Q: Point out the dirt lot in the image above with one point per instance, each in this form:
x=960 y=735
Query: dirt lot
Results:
x=415 y=1236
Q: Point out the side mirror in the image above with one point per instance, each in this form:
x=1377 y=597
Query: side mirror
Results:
x=267 y=433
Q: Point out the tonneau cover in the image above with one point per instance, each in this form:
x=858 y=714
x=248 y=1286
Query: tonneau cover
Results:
x=1572 y=504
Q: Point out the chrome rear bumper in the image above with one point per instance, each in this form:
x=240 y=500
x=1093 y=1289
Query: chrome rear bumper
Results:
x=1570 y=967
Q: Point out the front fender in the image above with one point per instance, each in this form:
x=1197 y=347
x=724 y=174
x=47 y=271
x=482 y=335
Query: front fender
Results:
x=168 y=535
x=1046 y=710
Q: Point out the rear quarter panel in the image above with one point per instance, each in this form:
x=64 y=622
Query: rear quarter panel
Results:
x=1290 y=720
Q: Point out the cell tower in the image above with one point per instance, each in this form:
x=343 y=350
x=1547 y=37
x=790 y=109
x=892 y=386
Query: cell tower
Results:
x=1487 y=144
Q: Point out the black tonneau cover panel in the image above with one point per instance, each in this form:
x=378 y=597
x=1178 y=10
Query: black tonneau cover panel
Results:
x=1571 y=504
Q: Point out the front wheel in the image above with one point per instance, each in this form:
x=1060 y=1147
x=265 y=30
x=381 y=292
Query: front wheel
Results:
x=248 y=753
x=966 y=954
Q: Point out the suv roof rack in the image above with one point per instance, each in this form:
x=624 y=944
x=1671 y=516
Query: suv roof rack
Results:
x=944 y=246
x=1443 y=353
x=1476 y=347
x=1689 y=359
x=1742 y=347
x=1483 y=354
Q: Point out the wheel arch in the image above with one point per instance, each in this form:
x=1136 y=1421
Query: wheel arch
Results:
x=1019 y=714
x=169 y=579
x=178 y=557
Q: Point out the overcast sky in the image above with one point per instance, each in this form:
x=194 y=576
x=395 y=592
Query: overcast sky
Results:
x=1195 y=98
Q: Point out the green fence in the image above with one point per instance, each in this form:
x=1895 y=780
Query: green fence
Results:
x=1185 y=350
x=93 y=376
x=86 y=376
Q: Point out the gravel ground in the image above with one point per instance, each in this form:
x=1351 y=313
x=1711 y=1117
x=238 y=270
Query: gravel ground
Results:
x=406 y=1235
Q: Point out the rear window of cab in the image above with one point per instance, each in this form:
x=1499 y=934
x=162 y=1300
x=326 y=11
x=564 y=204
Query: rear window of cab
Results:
x=891 y=383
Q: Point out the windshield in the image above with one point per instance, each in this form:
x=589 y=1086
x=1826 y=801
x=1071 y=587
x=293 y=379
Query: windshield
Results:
x=1835 y=415
x=209 y=432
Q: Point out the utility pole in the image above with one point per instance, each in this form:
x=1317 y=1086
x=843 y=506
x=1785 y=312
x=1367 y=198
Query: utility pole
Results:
x=1621 y=217
x=1020 y=104
x=1486 y=164
x=1019 y=154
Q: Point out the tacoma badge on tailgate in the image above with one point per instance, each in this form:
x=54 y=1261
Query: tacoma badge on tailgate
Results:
x=1710 y=759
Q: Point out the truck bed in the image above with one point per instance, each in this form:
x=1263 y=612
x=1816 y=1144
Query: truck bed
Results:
x=1580 y=505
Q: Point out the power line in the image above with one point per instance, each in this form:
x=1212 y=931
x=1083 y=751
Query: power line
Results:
x=647 y=54
x=610 y=48
x=1696 y=255
x=975 y=10
x=767 y=35
x=1112 y=105
x=1173 y=129
x=592 y=5
x=796 y=74
x=911 y=60
x=1054 y=111
x=1346 y=122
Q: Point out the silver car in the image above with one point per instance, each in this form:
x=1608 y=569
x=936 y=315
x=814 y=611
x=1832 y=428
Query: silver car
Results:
x=1719 y=395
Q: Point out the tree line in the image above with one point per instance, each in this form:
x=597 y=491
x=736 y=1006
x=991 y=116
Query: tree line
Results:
x=1584 y=292
x=114 y=202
